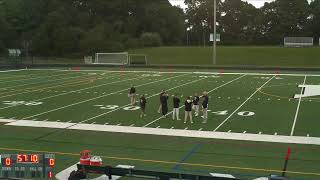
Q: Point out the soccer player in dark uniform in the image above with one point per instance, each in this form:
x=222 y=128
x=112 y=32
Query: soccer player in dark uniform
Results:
x=164 y=104
x=205 y=103
x=176 y=104
x=143 y=103
x=188 y=110
x=132 y=95
x=196 y=105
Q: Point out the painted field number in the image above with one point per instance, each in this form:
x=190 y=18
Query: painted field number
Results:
x=17 y=103
x=246 y=113
x=114 y=107
x=242 y=113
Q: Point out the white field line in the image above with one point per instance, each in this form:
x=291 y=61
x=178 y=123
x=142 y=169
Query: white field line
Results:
x=156 y=94
x=298 y=108
x=167 y=132
x=187 y=72
x=74 y=91
x=208 y=93
x=243 y=103
x=26 y=84
x=63 y=107
x=17 y=70
x=41 y=89
x=27 y=79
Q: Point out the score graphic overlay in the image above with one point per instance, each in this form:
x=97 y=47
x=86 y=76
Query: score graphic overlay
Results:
x=27 y=165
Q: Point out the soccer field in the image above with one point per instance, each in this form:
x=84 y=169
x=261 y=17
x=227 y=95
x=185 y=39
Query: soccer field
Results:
x=256 y=107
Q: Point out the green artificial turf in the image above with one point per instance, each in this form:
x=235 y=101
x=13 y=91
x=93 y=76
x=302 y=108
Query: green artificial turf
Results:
x=262 y=159
x=238 y=103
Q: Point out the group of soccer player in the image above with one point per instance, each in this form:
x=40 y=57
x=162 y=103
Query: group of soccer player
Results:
x=192 y=103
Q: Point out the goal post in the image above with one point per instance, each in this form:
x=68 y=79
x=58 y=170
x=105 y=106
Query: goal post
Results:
x=138 y=59
x=112 y=58
x=298 y=41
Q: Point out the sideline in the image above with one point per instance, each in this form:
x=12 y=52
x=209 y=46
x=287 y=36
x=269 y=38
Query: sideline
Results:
x=167 y=132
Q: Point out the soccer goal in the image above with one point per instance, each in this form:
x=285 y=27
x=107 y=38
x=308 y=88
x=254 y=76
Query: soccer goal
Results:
x=112 y=58
x=138 y=59
x=298 y=41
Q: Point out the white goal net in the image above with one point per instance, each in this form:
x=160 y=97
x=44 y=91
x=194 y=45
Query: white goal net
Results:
x=112 y=58
x=298 y=41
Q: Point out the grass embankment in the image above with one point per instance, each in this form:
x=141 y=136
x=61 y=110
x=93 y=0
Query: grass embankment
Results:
x=234 y=56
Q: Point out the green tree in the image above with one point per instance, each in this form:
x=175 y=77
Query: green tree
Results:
x=151 y=39
x=314 y=18
x=199 y=15
x=239 y=22
x=284 y=18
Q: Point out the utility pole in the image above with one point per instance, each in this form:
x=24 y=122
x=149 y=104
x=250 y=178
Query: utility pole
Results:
x=215 y=32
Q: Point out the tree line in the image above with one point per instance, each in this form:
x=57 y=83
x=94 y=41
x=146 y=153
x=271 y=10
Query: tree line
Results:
x=240 y=23
x=82 y=27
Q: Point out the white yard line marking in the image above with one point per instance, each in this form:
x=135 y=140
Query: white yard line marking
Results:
x=26 y=84
x=244 y=132
x=63 y=107
x=17 y=70
x=156 y=94
x=298 y=108
x=185 y=72
x=132 y=125
x=243 y=103
x=27 y=79
x=166 y=132
x=71 y=92
x=208 y=92
x=69 y=121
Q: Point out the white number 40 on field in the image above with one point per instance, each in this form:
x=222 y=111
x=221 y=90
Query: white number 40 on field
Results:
x=242 y=113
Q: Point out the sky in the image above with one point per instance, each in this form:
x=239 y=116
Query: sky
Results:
x=256 y=3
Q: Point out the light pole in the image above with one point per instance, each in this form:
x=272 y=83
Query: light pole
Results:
x=215 y=32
